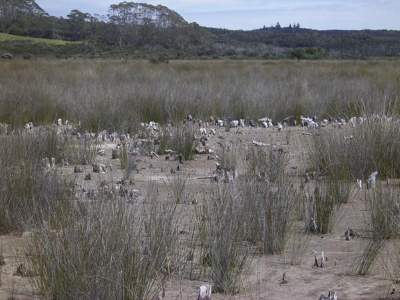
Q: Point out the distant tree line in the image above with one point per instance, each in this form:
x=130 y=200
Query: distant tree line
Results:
x=115 y=34
x=115 y=31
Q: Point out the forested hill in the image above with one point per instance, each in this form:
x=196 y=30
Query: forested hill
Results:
x=337 y=43
x=9 y=9
x=140 y=30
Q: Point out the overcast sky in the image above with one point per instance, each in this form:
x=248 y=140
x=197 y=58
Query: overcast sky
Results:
x=251 y=14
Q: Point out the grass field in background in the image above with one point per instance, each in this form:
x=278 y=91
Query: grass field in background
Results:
x=4 y=37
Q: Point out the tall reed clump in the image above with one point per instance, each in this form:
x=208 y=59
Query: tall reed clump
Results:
x=383 y=206
x=108 y=250
x=268 y=197
x=276 y=217
x=365 y=261
x=178 y=185
x=391 y=261
x=355 y=153
x=223 y=234
x=322 y=203
x=322 y=208
x=228 y=158
x=127 y=160
x=382 y=223
x=30 y=192
x=297 y=246
x=181 y=139
x=80 y=151
x=266 y=164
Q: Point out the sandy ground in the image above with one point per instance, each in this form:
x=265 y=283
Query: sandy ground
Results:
x=263 y=276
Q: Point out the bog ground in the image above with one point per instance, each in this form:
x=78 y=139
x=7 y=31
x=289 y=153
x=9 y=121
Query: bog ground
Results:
x=253 y=178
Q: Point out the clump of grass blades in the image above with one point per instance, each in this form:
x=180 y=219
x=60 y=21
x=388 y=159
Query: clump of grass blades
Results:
x=383 y=205
x=266 y=163
x=323 y=203
x=178 y=185
x=127 y=160
x=30 y=194
x=277 y=216
x=184 y=141
x=228 y=157
x=268 y=213
x=365 y=262
x=109 y=250
x=81 y=152
x=31 y=146
x=268 y=196
x=223 y=236
x=358 y=152
x=181 y=139
x=297 y=246
x=391 y=261
x=324 y=206
x=340 y=190
x=383 y=223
